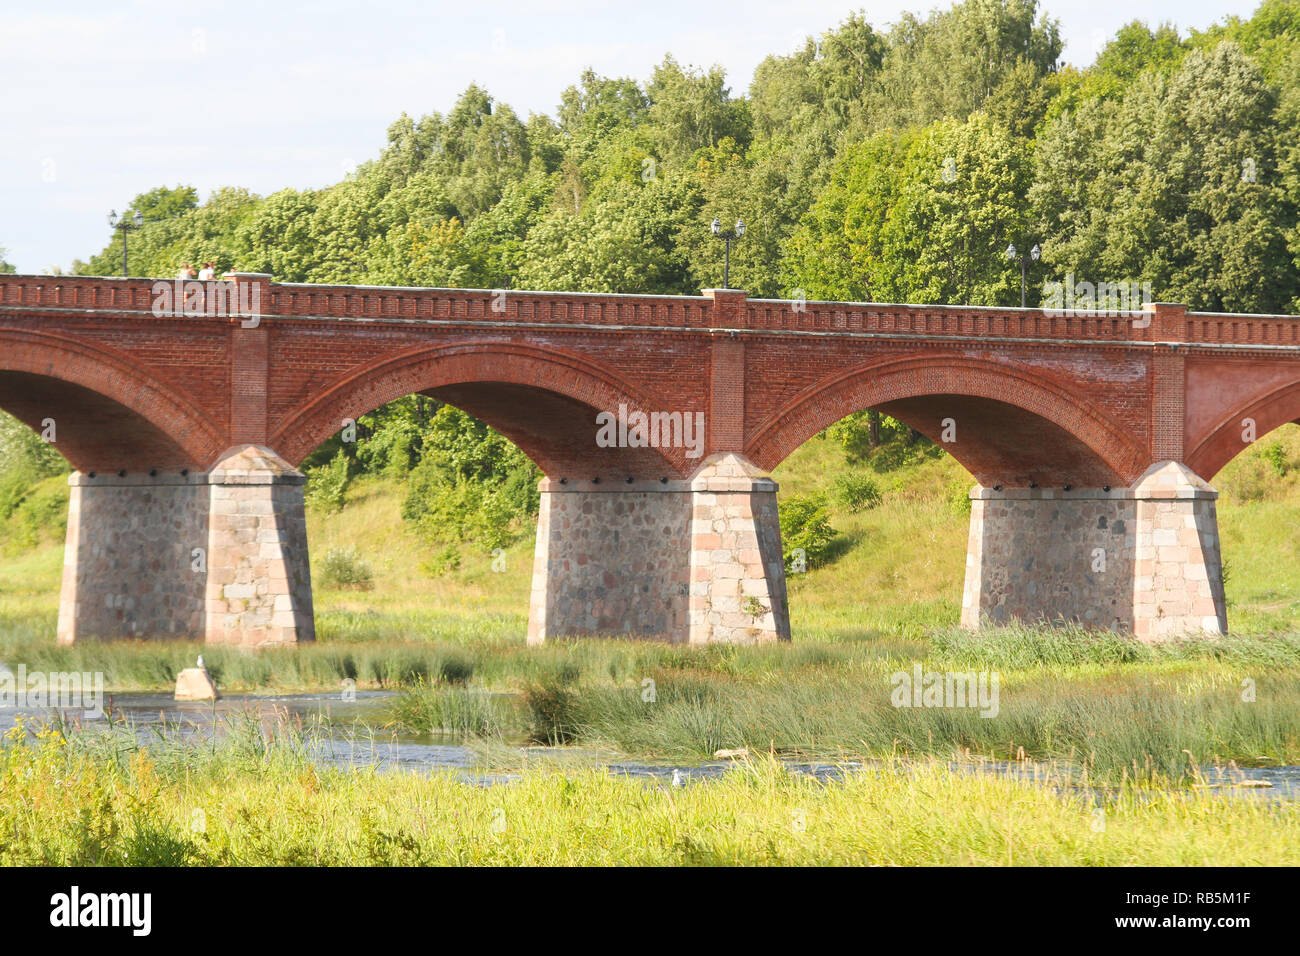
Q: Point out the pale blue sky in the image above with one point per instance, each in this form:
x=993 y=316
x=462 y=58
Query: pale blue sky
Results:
x=97 y=104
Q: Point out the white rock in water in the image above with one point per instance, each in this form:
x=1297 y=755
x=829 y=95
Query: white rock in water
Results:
x=731 y=754
x=193 y=683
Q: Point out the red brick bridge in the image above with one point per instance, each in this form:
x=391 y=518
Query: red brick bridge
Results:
x=186 y=409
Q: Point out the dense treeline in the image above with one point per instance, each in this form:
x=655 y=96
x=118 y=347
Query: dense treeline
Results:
x=876 y=165
x=889 y=166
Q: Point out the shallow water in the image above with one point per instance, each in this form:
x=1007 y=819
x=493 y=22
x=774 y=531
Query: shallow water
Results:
x=349 y=741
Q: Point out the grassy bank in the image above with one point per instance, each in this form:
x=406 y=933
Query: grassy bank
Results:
x=107 y=801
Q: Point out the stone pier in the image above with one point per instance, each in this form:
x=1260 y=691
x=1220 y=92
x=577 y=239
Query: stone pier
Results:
x=1143 y=560
x=695 y=561
x=220 y=555
x=134 y=563
x=259 y=580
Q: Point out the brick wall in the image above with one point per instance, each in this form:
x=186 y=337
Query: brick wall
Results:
x=185 y=387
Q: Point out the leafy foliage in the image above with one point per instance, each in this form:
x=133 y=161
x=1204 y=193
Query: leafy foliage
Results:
x=470 y=485
x=892 y=165
x=856 y=492
x=345 y=568
x=25 y=459
x=806 y=527
x=327 y=485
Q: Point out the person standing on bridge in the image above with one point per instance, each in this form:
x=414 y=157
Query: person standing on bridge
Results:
x=186 y=272
x=208 y=272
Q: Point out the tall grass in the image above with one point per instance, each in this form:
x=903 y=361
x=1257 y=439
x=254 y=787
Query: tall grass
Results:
x=1095 y=700
x=1107 y=707
x=1019 y=646
x=256 y=799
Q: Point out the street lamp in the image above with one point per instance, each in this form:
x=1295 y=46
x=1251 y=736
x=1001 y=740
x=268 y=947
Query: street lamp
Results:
x=125 y=225
x=727 y=237
x=1012 y=256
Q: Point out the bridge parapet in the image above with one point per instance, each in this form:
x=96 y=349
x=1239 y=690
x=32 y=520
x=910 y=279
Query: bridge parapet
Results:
x=716 y=309
x=77 y=292
x=945 y=320
x=1230 y=328
x=490 y=305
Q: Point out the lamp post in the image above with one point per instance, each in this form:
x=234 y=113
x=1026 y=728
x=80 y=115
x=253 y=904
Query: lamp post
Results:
x=1013 y=256
x=727 y=237
x=124 y=225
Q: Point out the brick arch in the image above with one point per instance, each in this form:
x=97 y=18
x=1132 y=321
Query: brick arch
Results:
x=1012 y=428
x=542 y=399
x=1223 y=441
x=109 y=415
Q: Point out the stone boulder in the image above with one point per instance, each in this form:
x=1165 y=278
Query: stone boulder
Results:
x=194 y=683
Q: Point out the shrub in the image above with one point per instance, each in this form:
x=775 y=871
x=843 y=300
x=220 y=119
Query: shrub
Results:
x=958 y=495
x=345 y=568
x=1275 y=455
x=327 y=485
x=553 y=708
x=806 y=525
x=855 y=491
x=453 y=497
x=41 y=514
x=444 y=561
x=26 y=460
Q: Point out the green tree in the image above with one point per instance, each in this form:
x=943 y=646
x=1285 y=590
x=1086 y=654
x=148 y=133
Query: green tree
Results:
x=279 y=239
x=163 y=209
x=497 y=237
x=1179 y=184
x=606 y=248
x=920 y=216
x=471 y=484
x=1269 y=37
x=950 y=64
x=1136 y=47
x=25 y=459
x=693 y=109
x=596 y=109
